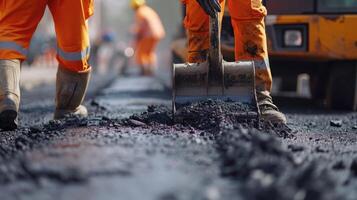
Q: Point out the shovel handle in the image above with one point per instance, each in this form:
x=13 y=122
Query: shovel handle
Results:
x=215 y=57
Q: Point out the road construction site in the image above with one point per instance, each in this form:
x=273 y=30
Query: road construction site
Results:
x=153 y=130
x=131 y=148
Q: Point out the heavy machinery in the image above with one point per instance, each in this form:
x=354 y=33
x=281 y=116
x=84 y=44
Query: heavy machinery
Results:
x=314 y=37
x=215 y=78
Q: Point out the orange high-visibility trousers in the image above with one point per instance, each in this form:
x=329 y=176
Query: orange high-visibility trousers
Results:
x=249 y=30
x=149 y=31
x=19 y=19
x=145 y=52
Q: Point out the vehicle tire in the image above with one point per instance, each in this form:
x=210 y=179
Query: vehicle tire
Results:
x=318 y=85
x=342 y=86
x=288 y=83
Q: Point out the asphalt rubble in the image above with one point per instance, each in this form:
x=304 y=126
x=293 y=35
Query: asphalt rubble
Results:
x=252 y=153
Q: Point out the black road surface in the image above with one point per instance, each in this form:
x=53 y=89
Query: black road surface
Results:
x=129 y=148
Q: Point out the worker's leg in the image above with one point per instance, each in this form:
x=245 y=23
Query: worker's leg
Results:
x=197 y=25
x=145 y=55
x=140 y=55
x=70 y=19
x=151 y=56
x=250 y=44
x=250 y=38
x=18 y=21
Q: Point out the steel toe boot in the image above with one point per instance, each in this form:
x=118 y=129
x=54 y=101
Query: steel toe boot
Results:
x=9 y=93
x=71 y=88
x=269 y=111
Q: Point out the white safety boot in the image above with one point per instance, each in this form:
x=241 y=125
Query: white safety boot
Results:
x=269 y=111
x=9 y=93
x=71 y=88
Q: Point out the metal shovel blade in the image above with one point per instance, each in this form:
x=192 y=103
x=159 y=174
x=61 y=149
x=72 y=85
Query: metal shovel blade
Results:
x=215 y=78
x=191 y=84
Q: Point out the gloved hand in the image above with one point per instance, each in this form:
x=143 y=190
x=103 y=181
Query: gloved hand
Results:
x=211 y=7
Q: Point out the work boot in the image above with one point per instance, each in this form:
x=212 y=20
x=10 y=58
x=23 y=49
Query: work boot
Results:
x=71 y=88
x=9 y=93
x=269 y=111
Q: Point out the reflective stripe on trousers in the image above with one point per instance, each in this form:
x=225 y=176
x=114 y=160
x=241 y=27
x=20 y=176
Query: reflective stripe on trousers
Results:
x=13 y=46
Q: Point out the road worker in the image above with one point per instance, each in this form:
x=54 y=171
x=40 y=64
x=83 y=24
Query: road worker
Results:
x=18 y=21
x=250 y=42
x=148 y=31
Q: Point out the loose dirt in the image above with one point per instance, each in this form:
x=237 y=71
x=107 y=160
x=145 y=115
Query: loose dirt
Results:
x=206 y=151
x=212 y=116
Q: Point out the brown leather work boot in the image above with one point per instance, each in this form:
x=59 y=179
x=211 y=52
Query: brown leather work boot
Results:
x=71 y=88
x=269 y=111
x=9 y=93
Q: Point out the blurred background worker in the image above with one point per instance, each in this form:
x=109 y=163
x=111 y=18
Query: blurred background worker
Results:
x=18 y=21
x=148 y=31
x=250 y=42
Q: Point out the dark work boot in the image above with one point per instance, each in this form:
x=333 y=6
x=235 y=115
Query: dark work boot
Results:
x=269 y=111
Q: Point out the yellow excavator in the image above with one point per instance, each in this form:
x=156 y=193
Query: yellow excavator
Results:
x=315 y=37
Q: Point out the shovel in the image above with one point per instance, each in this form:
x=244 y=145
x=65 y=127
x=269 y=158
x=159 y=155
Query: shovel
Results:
x=215 y=78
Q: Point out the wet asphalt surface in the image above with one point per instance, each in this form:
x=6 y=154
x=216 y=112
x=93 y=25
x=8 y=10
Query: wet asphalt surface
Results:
x=130 y=149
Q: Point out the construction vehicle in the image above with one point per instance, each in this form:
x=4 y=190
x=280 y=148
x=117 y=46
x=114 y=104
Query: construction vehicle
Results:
x=314 y=37
x=215 y=78
x=317 y=37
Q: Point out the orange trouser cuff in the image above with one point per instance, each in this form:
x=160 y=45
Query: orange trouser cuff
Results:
x=11 y=54
x=76 y=61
